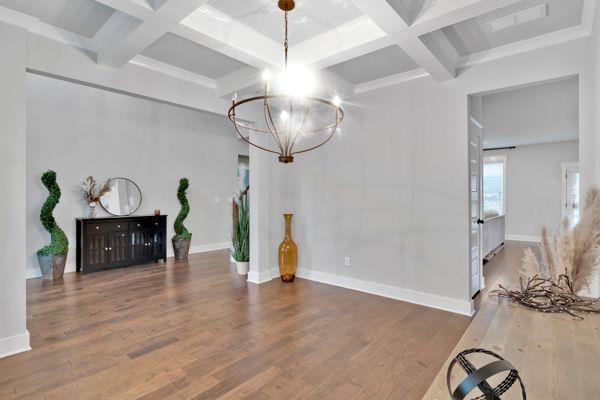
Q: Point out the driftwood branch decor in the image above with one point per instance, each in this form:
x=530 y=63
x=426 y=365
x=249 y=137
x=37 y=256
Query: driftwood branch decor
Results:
x=569 y=264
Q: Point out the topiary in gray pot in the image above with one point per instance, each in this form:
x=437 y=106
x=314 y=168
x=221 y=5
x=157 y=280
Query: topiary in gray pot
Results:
x=182 y=238
x=53 y=257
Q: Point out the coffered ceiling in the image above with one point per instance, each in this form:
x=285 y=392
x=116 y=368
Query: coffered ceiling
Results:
x=358 y=44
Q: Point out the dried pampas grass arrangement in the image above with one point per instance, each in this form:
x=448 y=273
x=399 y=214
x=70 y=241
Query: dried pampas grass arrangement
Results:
x=568 y=266
x=92 y=192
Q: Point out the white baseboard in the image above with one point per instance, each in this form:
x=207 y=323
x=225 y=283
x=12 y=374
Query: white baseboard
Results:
x=203 y=248
x=34 y=272
x=259 y=278
x=523 y=238
x=392 y=292
x=14 y=345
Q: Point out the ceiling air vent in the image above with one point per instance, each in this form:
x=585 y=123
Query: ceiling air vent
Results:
x=521 y=17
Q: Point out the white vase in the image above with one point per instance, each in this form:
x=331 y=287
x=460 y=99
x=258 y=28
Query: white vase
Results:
x=242 y=267
x=92 y=213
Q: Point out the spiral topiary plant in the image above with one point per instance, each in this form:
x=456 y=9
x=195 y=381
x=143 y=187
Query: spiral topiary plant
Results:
x=59 y=244
x=181 y=232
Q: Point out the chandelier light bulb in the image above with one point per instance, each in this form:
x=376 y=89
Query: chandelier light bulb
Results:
x=267 y=75
x=297 y=81
x=284 y=116
x=336 y=101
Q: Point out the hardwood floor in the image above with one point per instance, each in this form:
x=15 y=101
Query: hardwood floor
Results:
x=556 y=355
x=197 y=330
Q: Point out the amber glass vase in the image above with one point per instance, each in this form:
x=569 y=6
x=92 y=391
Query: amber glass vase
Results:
x=288 y=252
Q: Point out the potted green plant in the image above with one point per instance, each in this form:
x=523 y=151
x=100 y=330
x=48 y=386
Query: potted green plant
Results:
x=53 y=257
x=182 y=238
x=240 y=236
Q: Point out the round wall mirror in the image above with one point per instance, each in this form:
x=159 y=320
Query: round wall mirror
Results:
x=123 y=198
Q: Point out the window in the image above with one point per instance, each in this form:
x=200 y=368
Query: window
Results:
x=494 y=184
x=570 y=197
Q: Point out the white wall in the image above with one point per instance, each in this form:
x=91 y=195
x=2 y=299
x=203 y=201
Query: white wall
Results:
x=391 y=191
x=14 y=337
x=543 y=113
x=534 y=186
x=80 y=131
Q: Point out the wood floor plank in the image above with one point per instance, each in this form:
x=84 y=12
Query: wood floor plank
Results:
x=196 y=330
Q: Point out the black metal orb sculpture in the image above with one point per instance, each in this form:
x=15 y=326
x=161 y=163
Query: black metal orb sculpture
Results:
x=477 y=377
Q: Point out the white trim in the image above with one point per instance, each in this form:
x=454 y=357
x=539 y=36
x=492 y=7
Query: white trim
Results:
x=34 y=272
x=411 y=296
x=522 y=238
x=391 y=80
x=173 y=71
x=16 y=18
x=260 y=278
x=14 y=344
x=202 y=248
x=523 y=46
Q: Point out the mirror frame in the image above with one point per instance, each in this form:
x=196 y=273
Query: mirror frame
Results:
x=138 y=206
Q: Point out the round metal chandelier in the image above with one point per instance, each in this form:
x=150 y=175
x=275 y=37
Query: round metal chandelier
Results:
x=295 y=122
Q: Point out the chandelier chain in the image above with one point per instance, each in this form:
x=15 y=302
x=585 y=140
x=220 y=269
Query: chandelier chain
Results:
x=285 y=43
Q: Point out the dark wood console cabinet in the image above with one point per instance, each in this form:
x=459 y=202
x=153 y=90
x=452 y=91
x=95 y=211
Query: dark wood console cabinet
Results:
x=114 y=242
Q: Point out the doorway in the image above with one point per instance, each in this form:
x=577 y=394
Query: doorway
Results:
x=528 y=172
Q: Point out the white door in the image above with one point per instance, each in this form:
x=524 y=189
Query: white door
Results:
x=475 y=201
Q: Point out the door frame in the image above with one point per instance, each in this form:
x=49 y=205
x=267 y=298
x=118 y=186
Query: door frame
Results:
x=478 y=124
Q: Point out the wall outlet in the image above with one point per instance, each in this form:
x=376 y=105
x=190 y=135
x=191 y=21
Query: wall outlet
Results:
x=347 y=261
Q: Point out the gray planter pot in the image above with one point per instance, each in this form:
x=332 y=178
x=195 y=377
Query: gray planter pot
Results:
x=181 y=248
x=53 y=267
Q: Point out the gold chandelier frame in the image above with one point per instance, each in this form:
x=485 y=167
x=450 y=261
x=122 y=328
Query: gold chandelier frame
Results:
x=285 y=137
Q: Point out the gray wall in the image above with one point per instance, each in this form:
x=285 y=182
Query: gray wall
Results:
x=533 y=185
x=391 y=191
x=80 y=131
x=543 y=113
x=13 y=333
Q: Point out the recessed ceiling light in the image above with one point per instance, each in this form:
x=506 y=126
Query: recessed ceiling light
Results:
x=521 y=17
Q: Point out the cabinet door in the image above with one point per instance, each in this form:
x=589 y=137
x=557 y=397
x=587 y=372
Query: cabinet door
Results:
x=118 y=249
x=139 y=245
x=155 y=243
x=95 y=253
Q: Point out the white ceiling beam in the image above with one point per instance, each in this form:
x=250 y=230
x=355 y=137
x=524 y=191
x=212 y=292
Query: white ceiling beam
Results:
x=156 y=24
x=391 y=80
x=243 y=81
x=173 y=71
x=218 y=31
x=527 y=45
x=136 y=8
x=440 y=14
x=397 y=28
x=115 y=27
x=13 y=17
x=350 y=40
